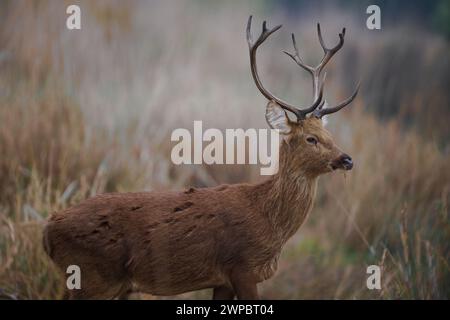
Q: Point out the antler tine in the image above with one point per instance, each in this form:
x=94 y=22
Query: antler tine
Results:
x=253 y=46
x=296 y=57
x=263 y=36
x=312 y=70
x=320 y=112
x=328 y=52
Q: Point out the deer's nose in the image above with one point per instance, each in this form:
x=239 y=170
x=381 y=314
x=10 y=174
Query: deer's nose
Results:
x=346 y=162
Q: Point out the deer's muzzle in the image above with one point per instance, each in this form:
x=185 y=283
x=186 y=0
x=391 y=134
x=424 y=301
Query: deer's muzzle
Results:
x=344 y=162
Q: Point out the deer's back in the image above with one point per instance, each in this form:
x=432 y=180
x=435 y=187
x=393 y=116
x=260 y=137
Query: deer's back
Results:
x=164 y=242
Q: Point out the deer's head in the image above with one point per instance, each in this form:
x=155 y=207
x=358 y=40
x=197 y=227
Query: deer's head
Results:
x=306 y=144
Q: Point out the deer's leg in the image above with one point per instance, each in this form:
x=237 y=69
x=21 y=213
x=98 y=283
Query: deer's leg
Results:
x=66 y=295
x=223 y=293
x=94 y=285
x=99 y=292
x=244 y=284
x=124 y=294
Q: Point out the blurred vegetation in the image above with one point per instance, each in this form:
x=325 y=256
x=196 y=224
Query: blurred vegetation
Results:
x=88 y=112
x=434 y=14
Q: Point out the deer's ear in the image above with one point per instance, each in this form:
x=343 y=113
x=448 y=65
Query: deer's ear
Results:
x=277 y=118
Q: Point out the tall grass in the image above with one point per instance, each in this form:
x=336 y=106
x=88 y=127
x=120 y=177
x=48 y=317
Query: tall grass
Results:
x=91 y=111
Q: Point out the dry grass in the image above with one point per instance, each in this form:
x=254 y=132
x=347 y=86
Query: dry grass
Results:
x=90 y=112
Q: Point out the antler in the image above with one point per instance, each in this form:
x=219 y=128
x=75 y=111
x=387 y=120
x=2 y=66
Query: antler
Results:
x=315 y=73
x=253 y=46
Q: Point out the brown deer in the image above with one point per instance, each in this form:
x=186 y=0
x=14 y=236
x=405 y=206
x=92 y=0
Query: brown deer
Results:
x=227 y=237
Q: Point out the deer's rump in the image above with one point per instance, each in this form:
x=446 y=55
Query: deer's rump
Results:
x=164 y=243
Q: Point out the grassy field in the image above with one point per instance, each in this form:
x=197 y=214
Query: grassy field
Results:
x=91 y=111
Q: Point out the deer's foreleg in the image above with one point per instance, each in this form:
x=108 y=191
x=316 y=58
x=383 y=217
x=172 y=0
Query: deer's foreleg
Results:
x=223 y=293
x=245 y=285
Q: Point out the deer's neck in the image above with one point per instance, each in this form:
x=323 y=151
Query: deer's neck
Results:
x=287 y=198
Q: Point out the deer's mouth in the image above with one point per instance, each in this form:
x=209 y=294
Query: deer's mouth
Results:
x=344 y=162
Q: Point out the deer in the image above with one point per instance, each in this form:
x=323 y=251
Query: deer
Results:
x=227 y=238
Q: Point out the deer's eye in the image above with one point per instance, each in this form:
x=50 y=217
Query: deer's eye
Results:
x=311 y=140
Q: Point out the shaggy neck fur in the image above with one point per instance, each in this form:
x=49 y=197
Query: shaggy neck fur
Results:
x=288 y=196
